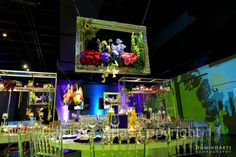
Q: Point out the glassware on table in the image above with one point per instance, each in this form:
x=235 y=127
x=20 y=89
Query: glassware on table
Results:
x=70 y=127
x=41 y=116
x=62 y=126
x=73 y=116
x=114 y=121
x=4 y=126
x=92 y=122
x=84 y=130
x=4 y=117
x=139 y=116
x=110 y=112
x=31 y=117
x=101 y=122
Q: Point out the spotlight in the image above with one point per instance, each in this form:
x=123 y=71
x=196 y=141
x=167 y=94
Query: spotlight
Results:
x=4 y=35
x=25 y=66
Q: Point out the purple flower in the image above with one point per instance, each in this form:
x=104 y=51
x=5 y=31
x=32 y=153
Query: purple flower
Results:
x=119 y=48
x=105 y=56
x=122 y=47
x=82 y=54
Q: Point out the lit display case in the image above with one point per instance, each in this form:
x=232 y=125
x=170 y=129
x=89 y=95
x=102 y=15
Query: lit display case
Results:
x=21 y=90
x=150 y=94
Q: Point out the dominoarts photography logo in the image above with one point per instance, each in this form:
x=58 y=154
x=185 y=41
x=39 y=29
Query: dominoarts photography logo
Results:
x=216 y=149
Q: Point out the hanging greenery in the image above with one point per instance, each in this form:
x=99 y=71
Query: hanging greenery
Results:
x=137 y=46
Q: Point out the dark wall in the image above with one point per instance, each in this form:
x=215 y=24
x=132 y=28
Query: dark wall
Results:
x=69 y=10
x=11 y=99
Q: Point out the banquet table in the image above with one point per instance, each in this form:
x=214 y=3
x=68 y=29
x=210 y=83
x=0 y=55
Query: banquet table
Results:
x=122 y=150
x=151 y=149
x=12 y=138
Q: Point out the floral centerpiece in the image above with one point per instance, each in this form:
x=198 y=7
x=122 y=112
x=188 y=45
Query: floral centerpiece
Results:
x=73 y=95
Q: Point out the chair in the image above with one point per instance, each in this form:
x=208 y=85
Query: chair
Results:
x=46 y=143
x=124 y=138
x=188 y=138
x=20 y=146
x=49 y=144
x=54 y=124
x=156 y=141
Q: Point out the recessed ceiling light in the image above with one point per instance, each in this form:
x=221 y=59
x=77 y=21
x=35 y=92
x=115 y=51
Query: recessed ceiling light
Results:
x=4 y=34
x=25 y=66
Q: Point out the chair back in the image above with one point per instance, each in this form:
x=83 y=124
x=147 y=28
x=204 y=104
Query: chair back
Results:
x=46 y=143
x=54 y=124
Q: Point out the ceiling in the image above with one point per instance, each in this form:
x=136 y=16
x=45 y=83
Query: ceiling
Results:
x=182 y=34
x=33 y=34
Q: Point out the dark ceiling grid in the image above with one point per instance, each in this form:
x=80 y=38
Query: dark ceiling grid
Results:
x=209 y=38
x=23 y=36
x=34 y=32
x=33 y=28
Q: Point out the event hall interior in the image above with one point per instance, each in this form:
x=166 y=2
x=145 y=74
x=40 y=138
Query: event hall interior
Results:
x=137 y=78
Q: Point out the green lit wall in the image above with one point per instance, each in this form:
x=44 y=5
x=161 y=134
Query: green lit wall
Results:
x=209 y=93
x=169 y=99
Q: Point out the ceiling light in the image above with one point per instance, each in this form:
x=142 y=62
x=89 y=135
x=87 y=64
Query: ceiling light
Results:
x=25 y=66
x=4 y=34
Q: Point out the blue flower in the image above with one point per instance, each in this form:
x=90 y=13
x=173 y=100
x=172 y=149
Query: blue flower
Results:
x=105 y=49
x=105 y=56
x=116 y=54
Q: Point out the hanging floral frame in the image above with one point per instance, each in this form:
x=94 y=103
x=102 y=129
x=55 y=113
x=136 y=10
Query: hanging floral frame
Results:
x=100 y=48
x=111 y=99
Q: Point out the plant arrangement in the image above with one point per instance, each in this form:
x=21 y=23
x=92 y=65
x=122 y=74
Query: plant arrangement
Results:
x=113 y=55
x=110 y=56
x=73 y=95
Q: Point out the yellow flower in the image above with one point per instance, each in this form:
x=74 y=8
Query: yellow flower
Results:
x=105 y=74
x=87 y=26
x=116 y=63
x=110 y=40
x=109 y=48
x=104 y=78
x=111 y=67
x=104 y=42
